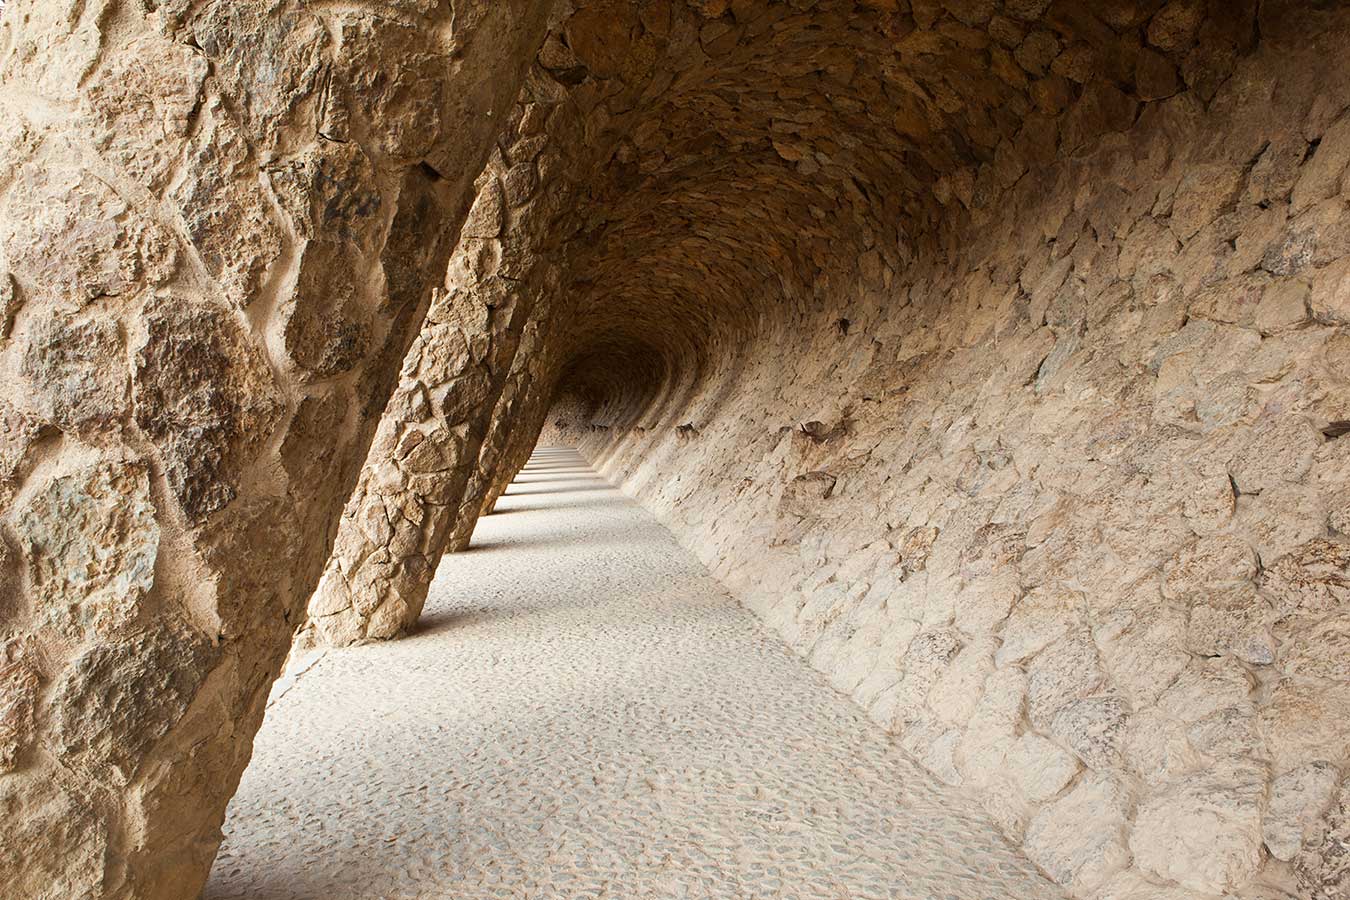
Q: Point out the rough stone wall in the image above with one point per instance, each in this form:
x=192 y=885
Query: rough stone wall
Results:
x=1060 y=496
x=220 y=225
x=991 y=349
x=572 y=419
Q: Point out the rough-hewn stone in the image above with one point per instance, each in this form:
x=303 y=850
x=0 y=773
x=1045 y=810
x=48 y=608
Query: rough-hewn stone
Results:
x=410 y=500
x=1079 y=839
x=1298 y=800
x=992 y=351
x=205 y=289
x=91 y=541
x=1090 y=349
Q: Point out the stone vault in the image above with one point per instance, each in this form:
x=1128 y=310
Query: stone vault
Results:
x=992 y=351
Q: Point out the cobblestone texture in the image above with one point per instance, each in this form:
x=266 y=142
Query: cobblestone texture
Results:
x=586 y=713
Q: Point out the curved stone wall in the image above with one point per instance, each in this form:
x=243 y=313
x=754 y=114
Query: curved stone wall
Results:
x=1020 y=416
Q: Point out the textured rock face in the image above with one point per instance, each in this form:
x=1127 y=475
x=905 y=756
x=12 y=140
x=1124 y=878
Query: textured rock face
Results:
x=992 y=352
x=220 y=225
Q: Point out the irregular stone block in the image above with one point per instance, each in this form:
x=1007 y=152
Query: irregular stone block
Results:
x=1323 y=868
x=139 y=98
x=91 y=540
x=986 y=601
x=10 y=301
x=933 y=744
x=1298 y=800
x=1302 y=718
x=1232 y=621
x=1038 y=620
x=1206 y=687
x=1157 y=747
x=1209 y=561
x=1064 y=671
x=18 y=697
x=1092 y=729
x=1080 y=838
x=1321 y=176
x=928 y=656
x=1227 y=733
x=1279 y=450
x=1204 y=831
x=1039 y=767
x=78 y=372
x=272 y=60
x=69 y=239
x=1318 y=650
x=205 y=396
x=1144 y=650
x=328 y=331
x=1313 y=578
x=118 y=698
x=992 y=727
x=957 y=691
x=228 y=216
x=52 y=844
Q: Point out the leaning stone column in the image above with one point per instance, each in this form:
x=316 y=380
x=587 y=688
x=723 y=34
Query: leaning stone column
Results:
x=506 y=424
x=526 y=400
x=397 y=523
x=220 y=225
x=537 y=399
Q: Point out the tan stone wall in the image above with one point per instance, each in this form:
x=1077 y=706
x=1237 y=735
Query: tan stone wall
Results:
x=1060 y=498
x=991 y=349
x=220 y=225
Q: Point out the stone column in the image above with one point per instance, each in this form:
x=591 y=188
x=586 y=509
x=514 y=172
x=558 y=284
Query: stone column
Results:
x=523 y=405
x=502 y=433
x=537 y=396
x=220 y=226
x=398 y=521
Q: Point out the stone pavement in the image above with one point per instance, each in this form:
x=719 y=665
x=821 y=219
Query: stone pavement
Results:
x=585 y=713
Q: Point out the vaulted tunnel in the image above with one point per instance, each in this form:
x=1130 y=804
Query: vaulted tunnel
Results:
x=948 y=340
x=990 y=351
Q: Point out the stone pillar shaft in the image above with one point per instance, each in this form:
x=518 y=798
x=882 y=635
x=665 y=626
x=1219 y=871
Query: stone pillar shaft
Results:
x=220 y=226
x=504 y=432
x=399 y=520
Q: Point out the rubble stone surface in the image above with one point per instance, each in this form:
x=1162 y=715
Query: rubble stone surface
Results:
x=1046 y=468
x=221 y=224
x=993 y=352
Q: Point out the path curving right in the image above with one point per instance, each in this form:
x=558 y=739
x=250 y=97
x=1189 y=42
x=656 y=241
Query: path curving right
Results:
x=586 y=713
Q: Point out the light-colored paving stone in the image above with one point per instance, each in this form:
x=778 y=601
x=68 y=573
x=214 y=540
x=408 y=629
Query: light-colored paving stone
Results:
x=587 y=714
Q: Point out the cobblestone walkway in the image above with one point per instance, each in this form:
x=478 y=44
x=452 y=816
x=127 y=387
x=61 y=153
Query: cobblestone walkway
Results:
x=586 y=714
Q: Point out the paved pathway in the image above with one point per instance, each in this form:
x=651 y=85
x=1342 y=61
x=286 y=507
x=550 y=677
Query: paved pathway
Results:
x=587 y=714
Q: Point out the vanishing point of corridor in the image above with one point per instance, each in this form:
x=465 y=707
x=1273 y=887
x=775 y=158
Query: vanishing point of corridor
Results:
x=585 y=713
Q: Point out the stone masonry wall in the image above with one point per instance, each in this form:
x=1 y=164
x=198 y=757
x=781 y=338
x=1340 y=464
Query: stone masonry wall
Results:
x=1064 y=500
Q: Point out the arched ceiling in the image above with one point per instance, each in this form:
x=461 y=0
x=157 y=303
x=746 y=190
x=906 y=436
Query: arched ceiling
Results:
x=739 y=154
